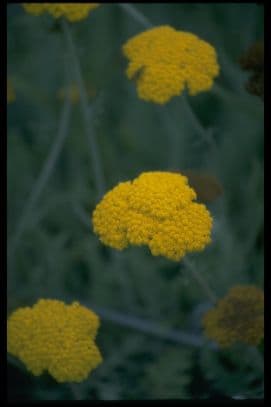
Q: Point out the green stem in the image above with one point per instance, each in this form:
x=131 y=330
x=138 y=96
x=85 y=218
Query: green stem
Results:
x=141 y=19
x=174 y=139
x=135 y=14
x=149 y=327
x=45 y=173
x=202 y=282
x=198 y=127
x=91 y=136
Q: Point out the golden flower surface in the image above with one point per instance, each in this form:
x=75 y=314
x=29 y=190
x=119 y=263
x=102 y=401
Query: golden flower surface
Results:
x=238 y=317
x=72 y=11
x=10 y=92
x=156 y=209
x=163 y=61
x=55 y=337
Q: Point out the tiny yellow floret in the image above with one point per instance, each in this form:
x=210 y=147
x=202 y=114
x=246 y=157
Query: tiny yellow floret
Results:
x=55 y=337
x=156 y=209
x=238 y=317
x=72 y=11
x=163 y=61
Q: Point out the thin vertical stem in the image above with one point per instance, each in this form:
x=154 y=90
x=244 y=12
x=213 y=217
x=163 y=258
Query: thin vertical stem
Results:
x=202 y=282
x=90 y=133
x=44 y=174
x=174 y=138
x=141 y=19
x=189 y=113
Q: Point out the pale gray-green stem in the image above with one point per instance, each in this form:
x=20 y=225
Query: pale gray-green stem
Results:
x=146 y=23
x=45 y=173
x=202 y=282
x=149 y=327
x=138 y=16
x=89 y=128
x=210 y=294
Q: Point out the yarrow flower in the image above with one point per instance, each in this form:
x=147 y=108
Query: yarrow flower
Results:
x=156 y=209
x=163 y=61
x=238 y=317
x=72 y=11
x=10 y=92
x=55 y=337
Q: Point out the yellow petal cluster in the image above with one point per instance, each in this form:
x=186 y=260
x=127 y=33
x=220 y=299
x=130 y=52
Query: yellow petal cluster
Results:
x=10 y=92
x=156 y=209
x=238 y=317
x=55 y=337
x=163 y=61
x=72 y=11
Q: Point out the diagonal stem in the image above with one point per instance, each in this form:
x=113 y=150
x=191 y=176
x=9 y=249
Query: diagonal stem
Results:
x=135 y=14
x=142 y=20
x=45 y=173
x=202 y=282
x=149 y=327
x=89 y=128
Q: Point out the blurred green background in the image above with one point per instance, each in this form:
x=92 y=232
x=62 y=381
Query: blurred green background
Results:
x=57 y=254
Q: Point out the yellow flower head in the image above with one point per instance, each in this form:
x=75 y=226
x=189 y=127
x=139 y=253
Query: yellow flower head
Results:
x=156 y=209
x=55 y=337
x=72 y=11
x=163 y=61
x=10 y=92
x=238 y=317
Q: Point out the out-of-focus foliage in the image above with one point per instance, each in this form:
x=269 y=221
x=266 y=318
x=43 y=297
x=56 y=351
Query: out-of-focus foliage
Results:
x=59 y=257
x=253 y=60
x=236 y=373
x=172 y=383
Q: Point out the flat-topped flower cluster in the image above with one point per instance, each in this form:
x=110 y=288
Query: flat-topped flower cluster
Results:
x=55 y=337
x=156 y=209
